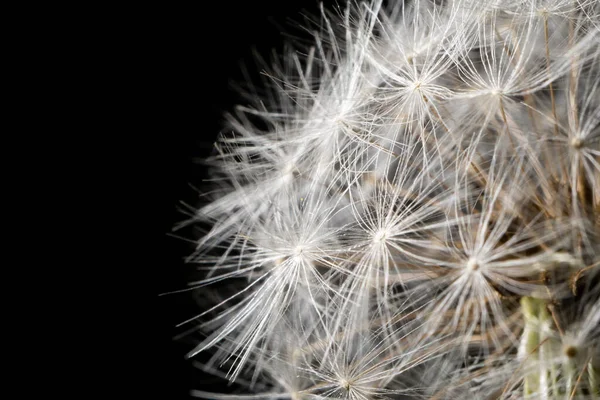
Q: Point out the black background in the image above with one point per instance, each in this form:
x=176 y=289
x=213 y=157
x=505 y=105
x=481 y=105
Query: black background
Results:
x=194 y=55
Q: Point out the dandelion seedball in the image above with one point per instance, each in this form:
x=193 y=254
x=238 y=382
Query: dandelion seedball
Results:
x=410 y=209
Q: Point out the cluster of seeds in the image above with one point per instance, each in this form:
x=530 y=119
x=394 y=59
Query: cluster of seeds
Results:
x=411 y=209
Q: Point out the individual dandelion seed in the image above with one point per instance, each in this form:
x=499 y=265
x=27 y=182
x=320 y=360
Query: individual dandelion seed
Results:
x=277 y=255
x=393 y=221
x=414 y=57
x=282 y=368
x=367 y=363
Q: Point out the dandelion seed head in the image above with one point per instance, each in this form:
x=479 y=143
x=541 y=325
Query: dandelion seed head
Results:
x=410 y=208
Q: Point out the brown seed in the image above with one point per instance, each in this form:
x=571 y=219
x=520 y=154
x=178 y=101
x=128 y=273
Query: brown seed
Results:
x=571 y=351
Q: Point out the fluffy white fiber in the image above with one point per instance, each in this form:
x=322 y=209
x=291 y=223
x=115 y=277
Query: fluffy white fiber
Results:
x=411 y=209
